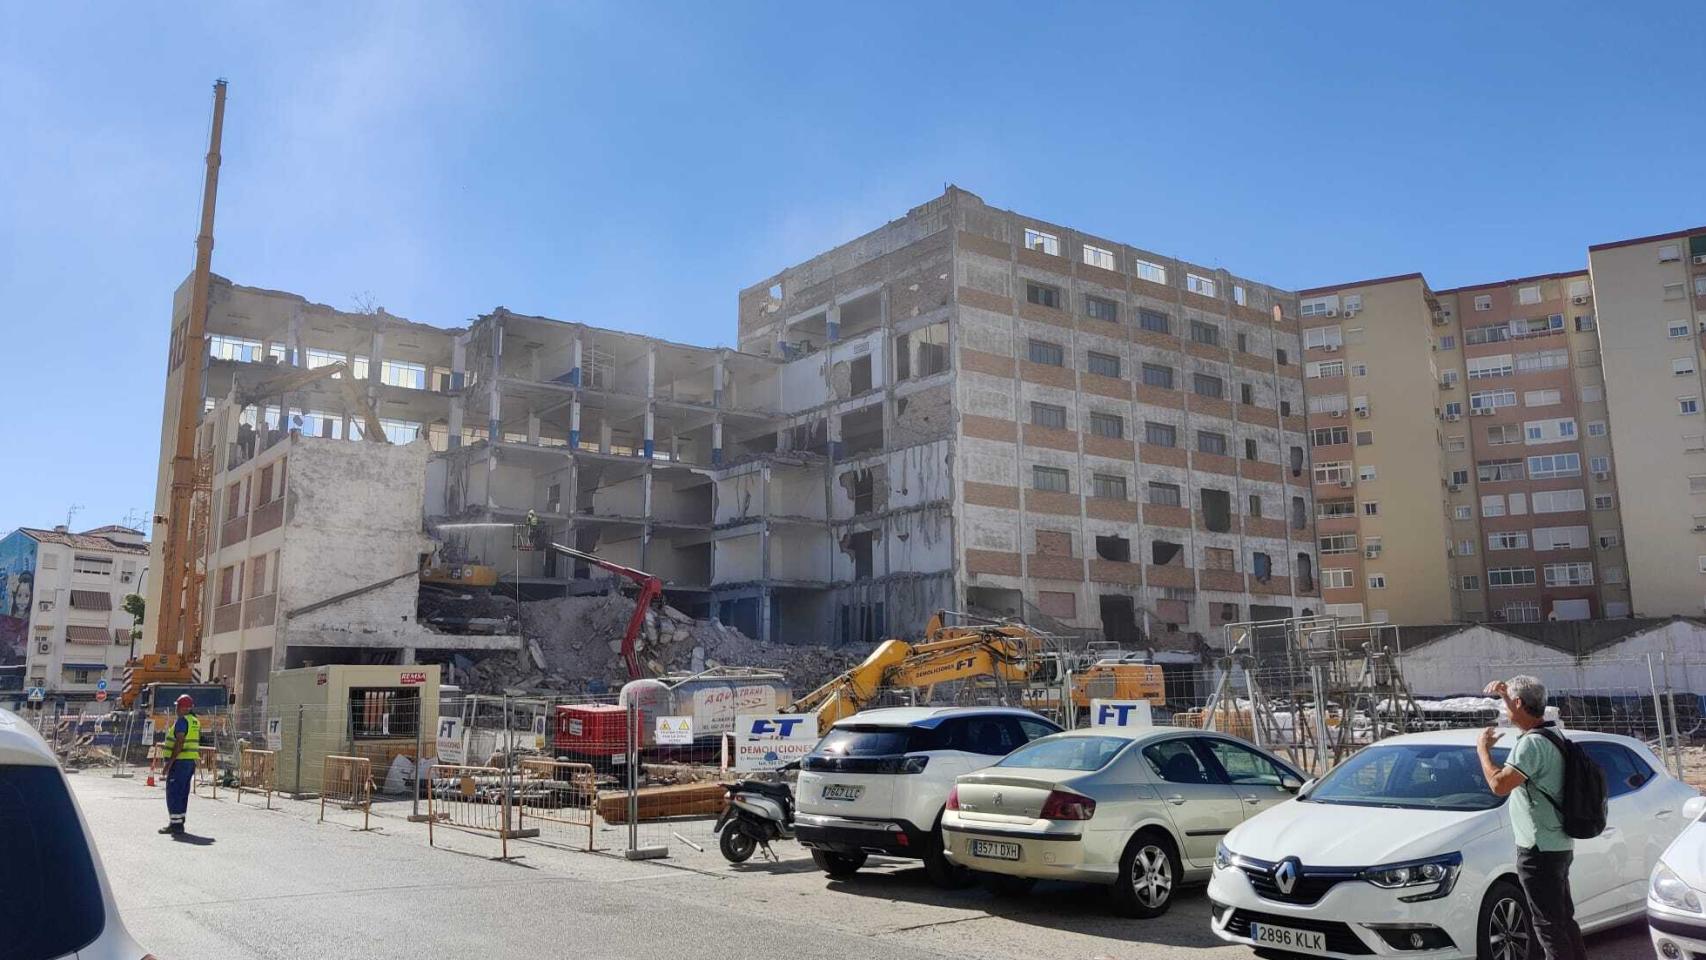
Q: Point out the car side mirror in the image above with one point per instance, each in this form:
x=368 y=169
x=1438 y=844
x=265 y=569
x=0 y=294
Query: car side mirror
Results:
x=1692 y=809
x=1304 y=788
x=1290 y=783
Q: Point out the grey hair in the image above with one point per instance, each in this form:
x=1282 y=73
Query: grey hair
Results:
x=1529 y=692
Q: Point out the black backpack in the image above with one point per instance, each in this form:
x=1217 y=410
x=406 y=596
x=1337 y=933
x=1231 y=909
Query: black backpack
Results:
x=1581 y=811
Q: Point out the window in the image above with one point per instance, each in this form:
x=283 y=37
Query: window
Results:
x=1200 y=285
x=1529 y=295
x=1599 y=465
x=1043 y=242
x=1216 y=510
x=1500 y=577
x=1097 y=257
x=1100 y=308
x=1328 y=509
x=1208 y=385
x=1603 y=501
x=1371 y=508
x=1323 y=338
x=1463 y=513
x=1365 y=438
x=1239 y=296
x=1210 y=442
x=222 y=347
x=1243 y=765
x=1448 y=342
x=1456 y=444
x=1483 y=303
x=1377 y=581
x=1559 y=501
x=1366 y=473
x=1493 y=505
x=1329 y=436
x=1585 y=322
x=1160 y=434
x=1114 y=548
x=1324 y=369
x=1507 y=540
x=399 y=374
x=1048 y=354
x=1526 y=611
x=1454 y=410
x=1107 y=487
x=1318 y=307
x=1043 y=295
x=1255 y=505
x=322 y=358
x=1697 y=484
x=1337 y=579
x=1611 y=575
x=1107 y=425
x=1560 y=538
x=1448 y=377
x=1176 y=761
x=1693 y=443
x=1459 y=478
x=1052 y=479
x=1669 y=252
x=1542 y=398
x=1329 y=403
x=1361 y=370
x=1700 y=286
x=1687 y=405
x=1205 y=333
x=1299 y=517
x=1465 y=548
x=1549 y=431
x=1103 y=364
x=1250 y=449
x=1247 y=394
x=1338 y=544
x=1048 y=415
x=1153 y=272
x=1164 y=494
x=1569 y=574
x=1155 y=321
x=1492 y=399
x=1609 y=540
x=1587 y=358
x=1498 y=365
x=1555 y=465
x=1279 y=356
x=1542 y=360
x=1682 y=366
x=1471 y=582
x=1155 y=375
x=1596 y=428
x=1677 y=329
x=1333 y=471
x=1593 y=394
x=1495 y=333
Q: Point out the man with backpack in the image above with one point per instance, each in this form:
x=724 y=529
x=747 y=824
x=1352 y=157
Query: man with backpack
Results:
x=1541 y=811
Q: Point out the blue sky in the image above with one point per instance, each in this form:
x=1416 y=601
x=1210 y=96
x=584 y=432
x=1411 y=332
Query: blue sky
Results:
x=634 y=165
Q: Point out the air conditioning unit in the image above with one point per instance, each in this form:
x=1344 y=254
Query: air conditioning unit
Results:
x=1454 y=417
x=1332 y=312
x=1439 y=319
x=1454 y=487
x=44 y=647
x=1602 y=475
x=1700 y=528
x=1483 y=412
x=1344 y=484
x=1446 y=384
x=1699 y=259
x=1579 y=300
x=1351 y=311
x=1371 y=552
x=1362 y=412
x=1338 y=414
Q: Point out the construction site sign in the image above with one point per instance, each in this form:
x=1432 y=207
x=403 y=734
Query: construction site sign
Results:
x=771 y=741
x=449 y=740
x=675 y=731
x=275 y=733
x=1123 y=714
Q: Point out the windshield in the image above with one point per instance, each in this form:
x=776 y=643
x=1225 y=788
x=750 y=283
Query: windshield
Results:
x=1415 y=776
x=1066 y=753
x=49 y=884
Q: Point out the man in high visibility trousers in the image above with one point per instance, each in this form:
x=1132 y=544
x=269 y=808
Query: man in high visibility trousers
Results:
x=183 y=746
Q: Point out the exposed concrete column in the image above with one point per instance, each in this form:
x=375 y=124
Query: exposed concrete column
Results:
x=575 y=422
x=458 y=376
x=832 y=322
x=375 y=352
x=532 y=428
x=835 y=436
x=575 y=370
x=719 y=374
x=649 y=443
x=494 y=423
x=646 y=504
x=293 y=340
x=604 y=436
x=764 y=625
x=409 y=656
x=717 y=441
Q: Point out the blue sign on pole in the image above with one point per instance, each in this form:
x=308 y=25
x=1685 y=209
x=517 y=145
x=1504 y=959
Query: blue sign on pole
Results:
x=102 y=684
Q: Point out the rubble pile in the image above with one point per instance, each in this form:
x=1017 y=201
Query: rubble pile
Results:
x=573 y=645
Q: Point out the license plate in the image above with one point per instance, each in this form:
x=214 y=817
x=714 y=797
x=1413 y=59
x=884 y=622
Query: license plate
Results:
x=841 y=791
x=994 y=850
x=1288 y=937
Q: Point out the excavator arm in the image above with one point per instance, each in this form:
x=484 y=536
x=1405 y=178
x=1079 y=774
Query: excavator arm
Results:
x=651 y=590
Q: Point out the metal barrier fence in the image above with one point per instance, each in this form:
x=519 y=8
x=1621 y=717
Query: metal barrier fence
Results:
x=477 y=800
x=206 y=771
x=257 y=772
x=558 y=796
x=347 y=782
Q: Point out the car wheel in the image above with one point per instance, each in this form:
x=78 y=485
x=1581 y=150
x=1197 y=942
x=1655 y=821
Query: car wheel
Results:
x=942 y=871
x=736 y=845
x=1149 y=875
x=1004 y=885
x=1504 y=930
x=839 y=866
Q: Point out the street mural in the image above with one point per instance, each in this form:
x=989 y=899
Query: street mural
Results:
x=17 y=592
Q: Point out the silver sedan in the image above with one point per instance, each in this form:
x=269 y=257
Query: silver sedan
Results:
x=1139 y=811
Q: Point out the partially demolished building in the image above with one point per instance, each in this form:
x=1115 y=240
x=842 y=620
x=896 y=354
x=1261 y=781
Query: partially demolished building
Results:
x=963 y=409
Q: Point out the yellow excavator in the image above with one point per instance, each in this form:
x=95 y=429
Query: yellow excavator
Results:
x=1004 y=652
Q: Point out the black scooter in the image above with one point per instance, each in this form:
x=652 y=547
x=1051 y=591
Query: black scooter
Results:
x=756 y=814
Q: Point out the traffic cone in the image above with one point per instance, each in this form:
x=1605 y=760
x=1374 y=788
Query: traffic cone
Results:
x=150 y=782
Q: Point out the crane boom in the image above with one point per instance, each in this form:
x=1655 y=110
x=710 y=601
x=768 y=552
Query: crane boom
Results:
x=180 y=614
x=651 y=589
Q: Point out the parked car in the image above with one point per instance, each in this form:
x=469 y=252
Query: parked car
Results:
x=1139 y=810
x=1676 y=895
x=877 y=782
x=66 y=907
x=1403 y=849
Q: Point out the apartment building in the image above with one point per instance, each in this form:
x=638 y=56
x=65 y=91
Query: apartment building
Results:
x=1376 y=455
x=1116 y=437
x=1649 y=296
x=63 y=627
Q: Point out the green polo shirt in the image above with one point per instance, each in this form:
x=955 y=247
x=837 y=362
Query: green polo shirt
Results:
x=1535 y=821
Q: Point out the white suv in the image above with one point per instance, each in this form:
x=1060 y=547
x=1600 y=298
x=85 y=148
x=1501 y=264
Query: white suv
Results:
x=66 y=906
x=878 y=781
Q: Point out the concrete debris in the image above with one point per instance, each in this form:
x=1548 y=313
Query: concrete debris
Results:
x=573 y=646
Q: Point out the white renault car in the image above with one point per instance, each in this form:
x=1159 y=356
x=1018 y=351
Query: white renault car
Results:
x=878 y=781
x=1402 y=851
x=1676 y=898
x=56 y=894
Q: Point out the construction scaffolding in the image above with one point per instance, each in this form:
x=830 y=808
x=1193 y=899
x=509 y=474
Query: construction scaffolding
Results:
x=1315 y=689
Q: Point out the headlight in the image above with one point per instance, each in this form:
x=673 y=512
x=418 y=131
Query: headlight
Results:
x=1222 y=857
x=1438 y=874
x=1668 y=889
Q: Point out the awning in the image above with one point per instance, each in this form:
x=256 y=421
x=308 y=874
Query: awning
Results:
x=77 y=634
x=91 y=600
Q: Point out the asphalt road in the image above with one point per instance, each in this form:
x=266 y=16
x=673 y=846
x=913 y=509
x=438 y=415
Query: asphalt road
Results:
x=277 y=884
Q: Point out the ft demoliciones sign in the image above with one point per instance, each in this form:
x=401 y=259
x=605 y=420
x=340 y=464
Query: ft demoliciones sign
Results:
x=1129 y=714
x=771 y=741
